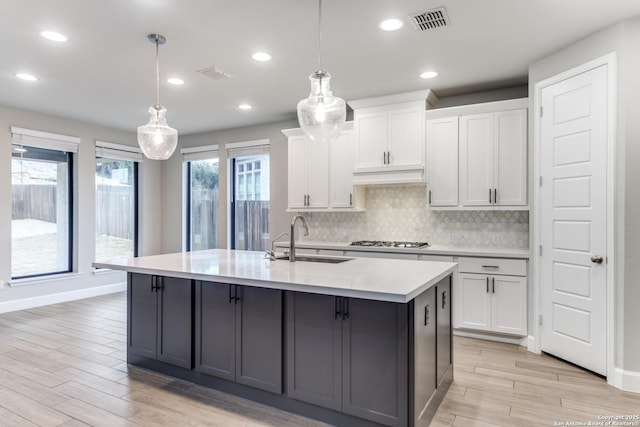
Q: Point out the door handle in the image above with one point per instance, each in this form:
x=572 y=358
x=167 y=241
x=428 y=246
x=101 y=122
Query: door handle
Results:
x=444 y=299
x=426 y=315
x=597 y=259
x=490 y=196
x=337 y=304
x=495 y=196
x=493 y=285
x=231 y=293
x=345 y=308
x=429 y=196
x=487 y=284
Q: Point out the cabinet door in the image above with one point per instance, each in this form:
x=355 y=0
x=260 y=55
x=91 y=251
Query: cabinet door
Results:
x=174 y=319
x=510 y=158
x=442 y=161
x=374 y=359
x=318 y=174
x=509 y=304
x=406 y=137
x=297 y=170
x=341 y=171
x=474 y=301
x=142 y=315
x=314 y=349
x=215 y=330
x=443 y=303
x=371 y=139
x=259 y=338
x=476 y=160
x=425 y=351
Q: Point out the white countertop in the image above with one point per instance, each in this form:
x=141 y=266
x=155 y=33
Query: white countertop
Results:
x=430 y=250
x=368 y=278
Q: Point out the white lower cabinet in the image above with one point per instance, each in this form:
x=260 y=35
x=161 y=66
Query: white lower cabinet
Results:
x=492 y=302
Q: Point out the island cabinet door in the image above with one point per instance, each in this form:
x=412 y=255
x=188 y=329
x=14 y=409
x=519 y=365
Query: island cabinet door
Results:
x=314 y=349
x=424 y=355
x=443 y=349
x=174 y=320
x=259 y=338
x=375 y=361
x=142 y=315
x=215 y=329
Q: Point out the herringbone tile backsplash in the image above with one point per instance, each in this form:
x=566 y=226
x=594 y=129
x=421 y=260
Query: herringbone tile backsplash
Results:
x=401 y=213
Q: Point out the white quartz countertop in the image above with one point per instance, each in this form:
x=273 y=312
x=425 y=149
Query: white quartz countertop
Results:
x=491 y=252
x=377 y=279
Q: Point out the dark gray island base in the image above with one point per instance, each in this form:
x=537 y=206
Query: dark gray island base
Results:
x=345 y=361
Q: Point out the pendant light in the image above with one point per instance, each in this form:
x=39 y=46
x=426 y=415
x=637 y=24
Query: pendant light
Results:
x=157 y=140
x=321 y=115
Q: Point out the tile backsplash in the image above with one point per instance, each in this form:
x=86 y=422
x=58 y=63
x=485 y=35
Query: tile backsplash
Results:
x=401 y=213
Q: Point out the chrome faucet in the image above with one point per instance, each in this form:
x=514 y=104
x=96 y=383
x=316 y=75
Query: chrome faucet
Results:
x=271 y=254
x=292 y=236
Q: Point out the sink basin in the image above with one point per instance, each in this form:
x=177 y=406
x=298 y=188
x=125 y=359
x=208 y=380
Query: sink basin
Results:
x=307 y=258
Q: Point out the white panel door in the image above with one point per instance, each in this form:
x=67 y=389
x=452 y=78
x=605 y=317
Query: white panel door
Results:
x=341 y=171
x=297 y=179
x=510 y=158
x=573 y=219
x=318 y=174
x=406 y=137
x=474 y=301
x=476 y=160
x=371 y=139
x=442 y=161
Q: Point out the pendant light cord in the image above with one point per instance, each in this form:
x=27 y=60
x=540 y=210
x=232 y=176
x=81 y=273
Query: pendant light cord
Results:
x=319 y=35
x=157 y=74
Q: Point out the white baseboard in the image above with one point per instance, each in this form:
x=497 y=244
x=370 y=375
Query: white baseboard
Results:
x=23 y=304
x=531 y=344
x=491 y=337
x=625 y=380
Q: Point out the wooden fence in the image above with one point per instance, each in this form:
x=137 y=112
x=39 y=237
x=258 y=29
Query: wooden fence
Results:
x=204 y=223
x=33 y=202
x=114 y=211
x=252 y=225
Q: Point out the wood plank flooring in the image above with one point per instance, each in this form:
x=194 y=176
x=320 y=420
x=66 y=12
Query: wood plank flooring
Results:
x=64 y=365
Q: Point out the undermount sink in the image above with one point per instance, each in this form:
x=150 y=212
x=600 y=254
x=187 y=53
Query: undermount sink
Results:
x=304 y=258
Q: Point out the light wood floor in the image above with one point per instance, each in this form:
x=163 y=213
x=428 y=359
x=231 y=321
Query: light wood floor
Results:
x=64 y=365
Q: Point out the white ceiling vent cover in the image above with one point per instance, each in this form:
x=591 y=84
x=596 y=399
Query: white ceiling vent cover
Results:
x=430 y=19
x=214 y=73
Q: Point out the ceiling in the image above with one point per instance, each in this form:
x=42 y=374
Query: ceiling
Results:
x=105 y=72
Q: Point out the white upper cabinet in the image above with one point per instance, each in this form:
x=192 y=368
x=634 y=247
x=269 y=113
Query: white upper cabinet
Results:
x=493 y=159
x=442 y=161
x=320 y=175
x=477 y=156
x=389 y=137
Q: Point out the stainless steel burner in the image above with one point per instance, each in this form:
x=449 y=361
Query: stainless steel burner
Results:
x=387 y=243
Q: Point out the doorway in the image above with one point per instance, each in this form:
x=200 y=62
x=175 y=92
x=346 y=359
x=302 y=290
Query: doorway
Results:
x=573 y=221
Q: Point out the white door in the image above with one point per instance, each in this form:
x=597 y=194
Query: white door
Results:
x=573 y=196
x=442 y=161
x=476 y=160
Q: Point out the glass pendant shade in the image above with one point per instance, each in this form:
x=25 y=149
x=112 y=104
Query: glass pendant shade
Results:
x=321 y=115
x=157 y=140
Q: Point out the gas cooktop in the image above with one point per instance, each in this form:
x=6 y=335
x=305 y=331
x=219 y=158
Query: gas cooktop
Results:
x=388 y=243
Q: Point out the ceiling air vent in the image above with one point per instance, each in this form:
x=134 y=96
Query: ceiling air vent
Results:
x=214 y=73
x=431 y=19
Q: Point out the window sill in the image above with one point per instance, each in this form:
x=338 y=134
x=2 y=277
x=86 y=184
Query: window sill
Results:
x=103 y=271
x=42 y=279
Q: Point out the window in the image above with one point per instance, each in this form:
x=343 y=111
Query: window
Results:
x=42 y=203
x=202 y=207
x=249 y=207
x=116 y=201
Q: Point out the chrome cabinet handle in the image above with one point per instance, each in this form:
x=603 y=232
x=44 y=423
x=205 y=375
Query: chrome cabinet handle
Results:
x=597 y=259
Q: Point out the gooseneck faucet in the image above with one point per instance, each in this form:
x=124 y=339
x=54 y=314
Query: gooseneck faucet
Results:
x=292 y=236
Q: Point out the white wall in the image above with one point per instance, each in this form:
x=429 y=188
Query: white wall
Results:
x=624 y=39
x=82 y=282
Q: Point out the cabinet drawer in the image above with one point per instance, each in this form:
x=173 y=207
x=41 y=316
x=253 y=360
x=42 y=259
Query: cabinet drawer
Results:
x=509 y=267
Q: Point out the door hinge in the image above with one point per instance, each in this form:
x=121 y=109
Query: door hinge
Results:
x=541 y=112
x=540 y=184
x=540 y=251
x=540 y=319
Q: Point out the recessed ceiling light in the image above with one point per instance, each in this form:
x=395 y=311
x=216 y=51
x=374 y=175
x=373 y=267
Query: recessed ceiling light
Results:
x=261 y=56
x=27 y=77
x=175 y=81
x=391 y=24
x=53 y=36
x=245 y=107
x=428 y=74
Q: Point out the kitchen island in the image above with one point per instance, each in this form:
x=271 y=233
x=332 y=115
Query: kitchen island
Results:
x=350 y=341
